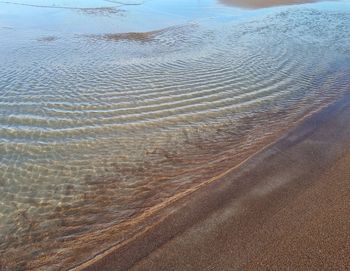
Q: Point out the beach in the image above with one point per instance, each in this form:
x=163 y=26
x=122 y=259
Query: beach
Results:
x=286 y=208
x=309 y=233
x=182 y=142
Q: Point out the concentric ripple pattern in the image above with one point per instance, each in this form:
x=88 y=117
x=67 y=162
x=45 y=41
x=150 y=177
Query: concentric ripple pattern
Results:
x=96 y=134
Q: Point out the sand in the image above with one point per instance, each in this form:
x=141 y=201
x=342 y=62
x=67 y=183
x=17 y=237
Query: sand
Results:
x=313 y=232
x=263 y=3
x=132 y=36
x=286 y=208
x=310 y=232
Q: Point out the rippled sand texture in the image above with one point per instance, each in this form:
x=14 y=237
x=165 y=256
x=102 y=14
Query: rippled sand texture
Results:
x=96 y=134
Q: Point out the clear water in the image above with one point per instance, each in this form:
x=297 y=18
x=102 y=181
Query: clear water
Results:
x=98 y=130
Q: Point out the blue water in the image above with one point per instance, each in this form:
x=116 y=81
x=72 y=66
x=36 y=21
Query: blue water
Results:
x=109 y=111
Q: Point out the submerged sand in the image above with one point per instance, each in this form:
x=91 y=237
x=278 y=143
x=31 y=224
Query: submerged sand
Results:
x=263 y=3
x=285 y=208
x=132 y=36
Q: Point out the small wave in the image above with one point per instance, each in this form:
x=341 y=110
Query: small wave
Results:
x=96 y=135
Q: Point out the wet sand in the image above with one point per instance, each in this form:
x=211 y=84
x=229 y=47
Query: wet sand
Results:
x=99 y=136
x=287 y=207
x=132 y=36
x=263 y=4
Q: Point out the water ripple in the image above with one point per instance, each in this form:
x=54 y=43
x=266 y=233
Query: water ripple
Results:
x=96 y=134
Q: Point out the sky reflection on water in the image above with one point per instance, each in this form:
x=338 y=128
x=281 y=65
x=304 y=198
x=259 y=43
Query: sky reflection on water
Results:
x=97 y=129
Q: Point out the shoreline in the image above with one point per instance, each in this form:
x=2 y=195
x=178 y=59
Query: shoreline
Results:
x=292 y=158
x=121 y=134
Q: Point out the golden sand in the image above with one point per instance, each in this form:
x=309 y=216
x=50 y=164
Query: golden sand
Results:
x=285 y=208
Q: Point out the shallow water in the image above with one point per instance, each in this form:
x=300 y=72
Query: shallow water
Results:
x=109 y=111
x=263 y=4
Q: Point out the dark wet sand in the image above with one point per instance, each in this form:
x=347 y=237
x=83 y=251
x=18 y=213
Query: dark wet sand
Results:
x=139 y=36
x=132 y=36
x=263 y=3
x=287 y=207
